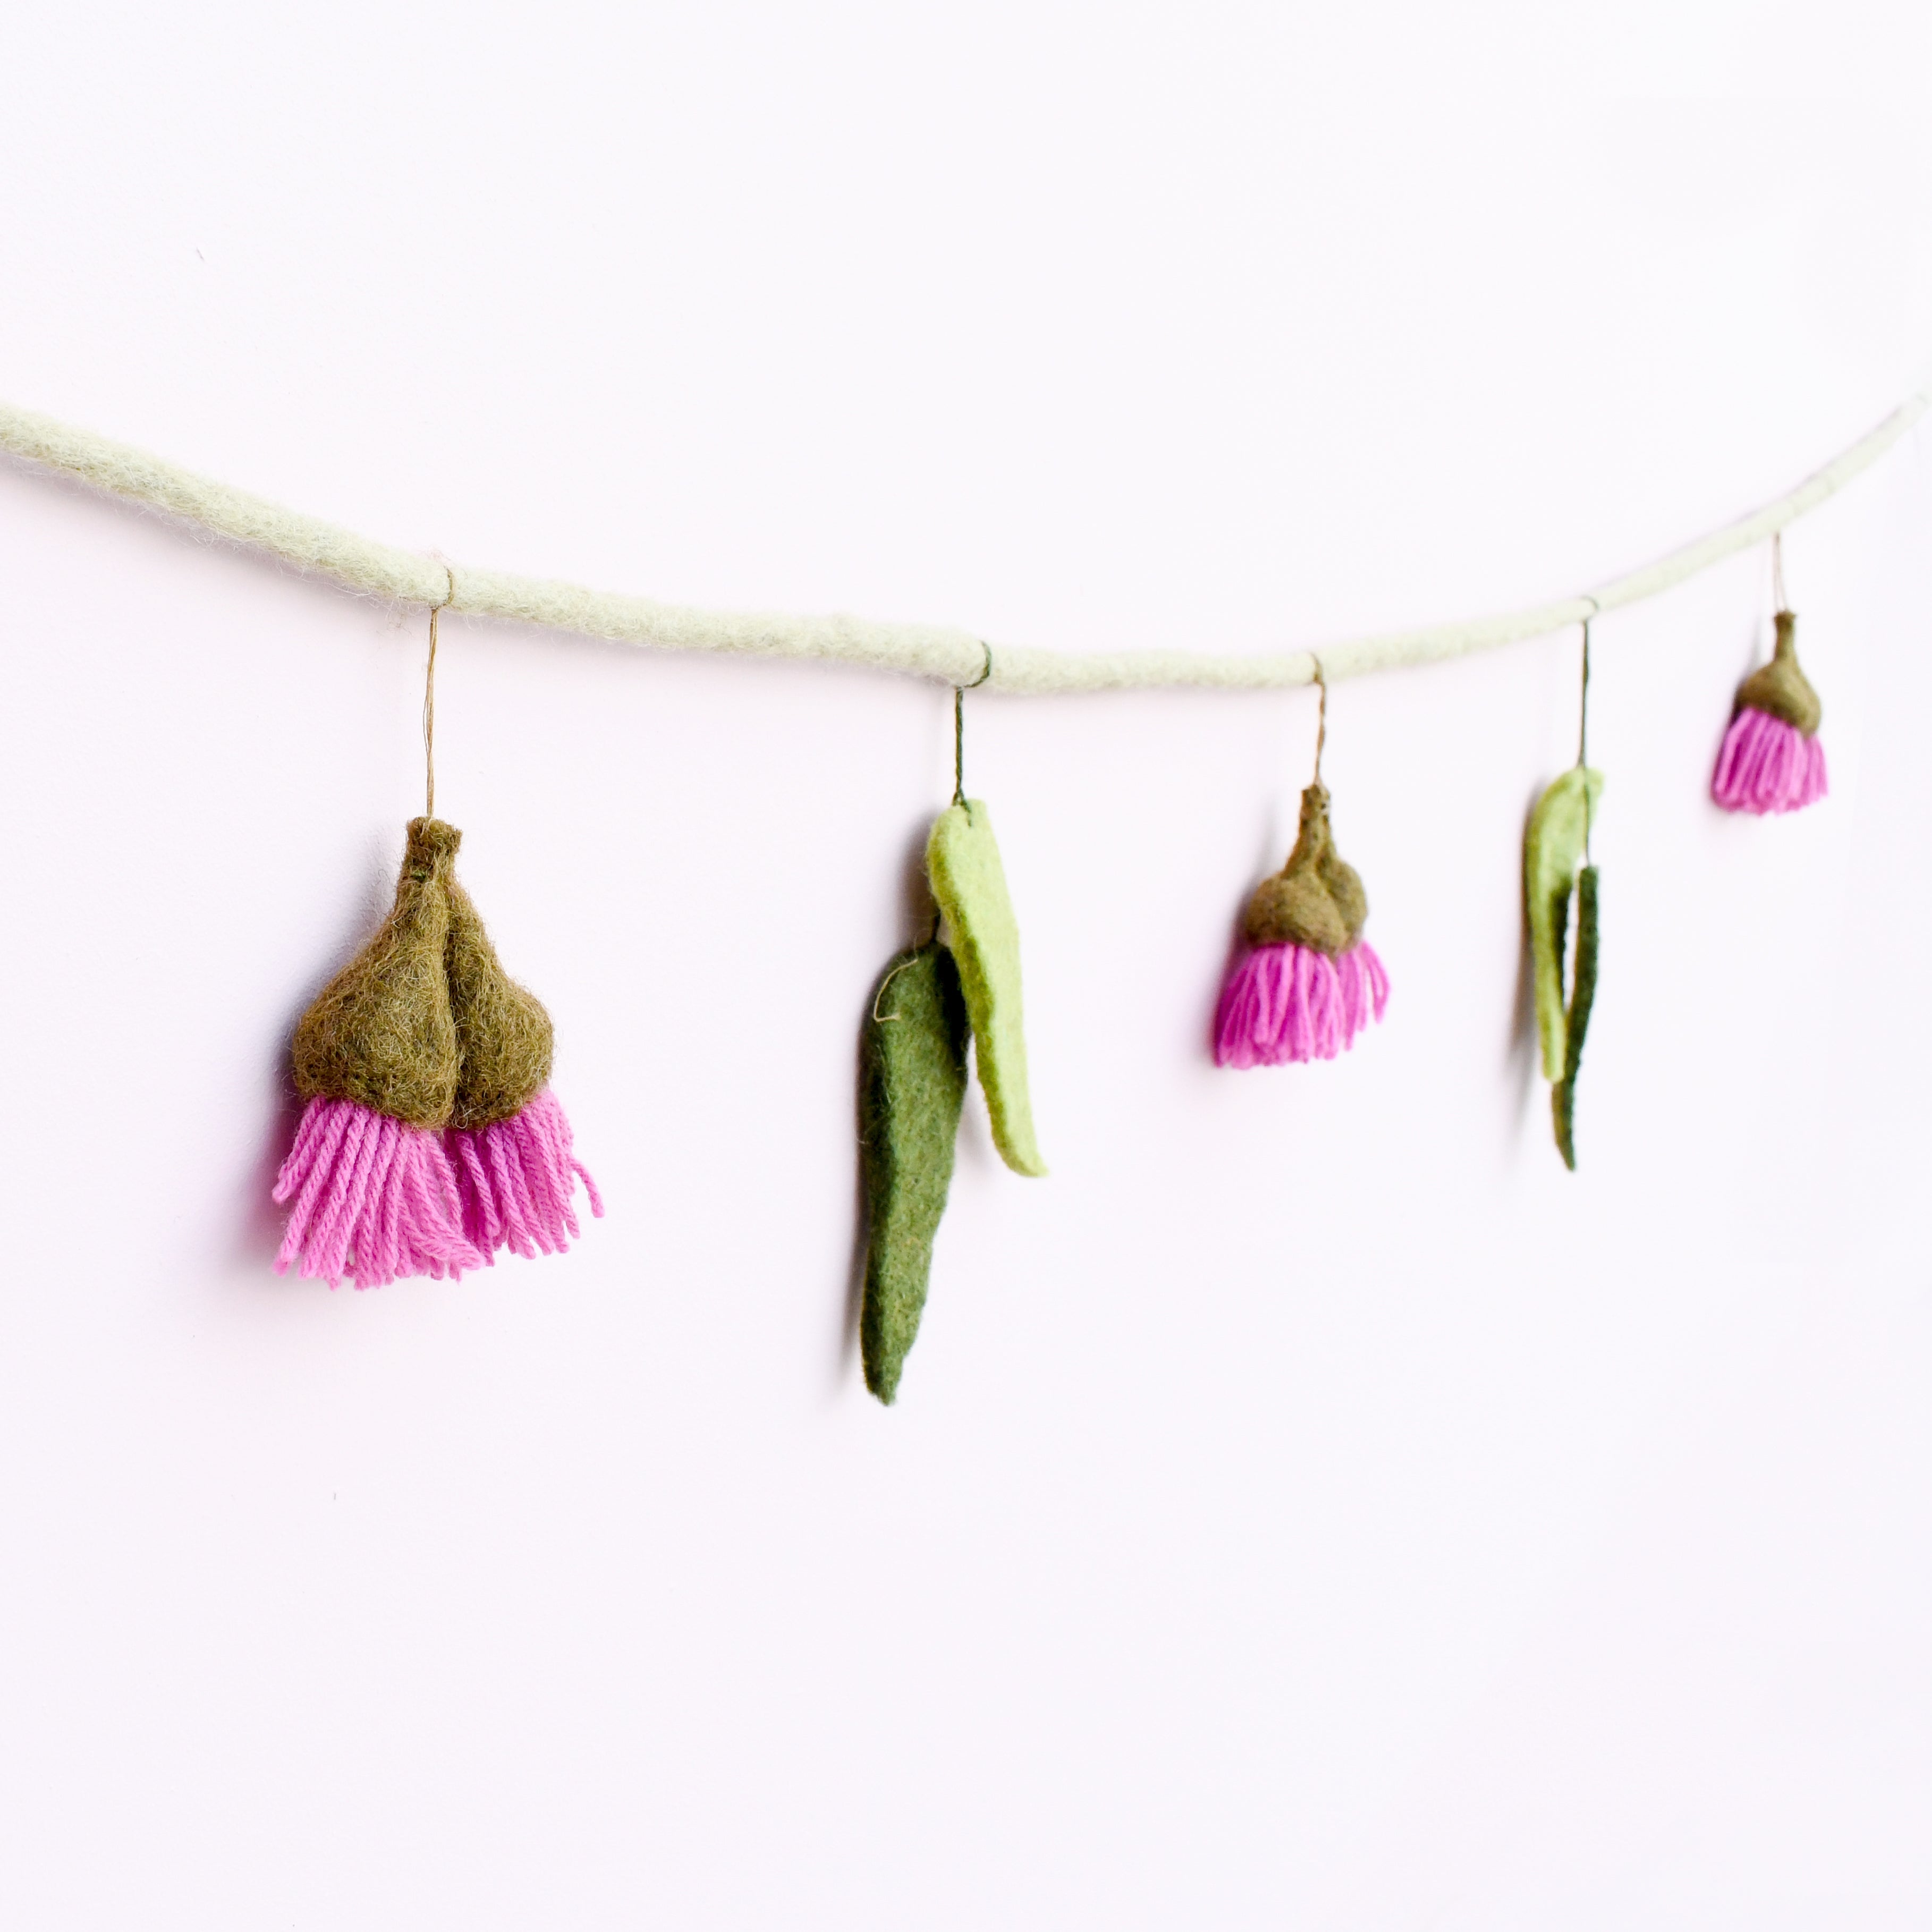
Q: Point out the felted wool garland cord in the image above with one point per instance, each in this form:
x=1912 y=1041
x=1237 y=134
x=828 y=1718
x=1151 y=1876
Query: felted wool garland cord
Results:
x=920 y=650
x=430 y=1139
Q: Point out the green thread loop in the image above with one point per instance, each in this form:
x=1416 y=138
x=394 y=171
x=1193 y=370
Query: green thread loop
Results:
x=959 y=692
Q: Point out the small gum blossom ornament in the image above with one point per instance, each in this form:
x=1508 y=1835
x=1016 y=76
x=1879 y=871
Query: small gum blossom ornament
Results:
x=1306 y=981
x=430 y=1138
x=1771 y=759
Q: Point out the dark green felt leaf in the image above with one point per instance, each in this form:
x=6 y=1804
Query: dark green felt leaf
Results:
x=912 y=1083
x=1582 y=995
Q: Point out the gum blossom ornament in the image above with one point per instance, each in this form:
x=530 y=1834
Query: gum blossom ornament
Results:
x=1306 y=981
x=430 y=1138
x=1771 y=759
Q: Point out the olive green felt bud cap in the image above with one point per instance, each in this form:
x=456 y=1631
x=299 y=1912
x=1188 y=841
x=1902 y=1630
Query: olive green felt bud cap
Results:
x=381 y=1033
x=1316 y=900
x=504 y=1038
x=1780 y=688
x=423 y=1025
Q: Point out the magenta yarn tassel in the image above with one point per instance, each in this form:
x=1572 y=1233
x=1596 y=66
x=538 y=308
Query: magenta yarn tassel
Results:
x=517 y=1179
x=375 y=1200
x=1291 y=1003
x=1766 y=765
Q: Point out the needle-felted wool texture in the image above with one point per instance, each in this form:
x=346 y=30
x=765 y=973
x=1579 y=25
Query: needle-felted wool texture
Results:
x=381 y=1033
x=962 y=859
x=430 y=1138
x=1583 y=993
x=1551 y=851
x=912 y=1084
x=508 y=1139
x=1307 y=981
x=1317 y=899
x=507 y=1039
x=1771 y=759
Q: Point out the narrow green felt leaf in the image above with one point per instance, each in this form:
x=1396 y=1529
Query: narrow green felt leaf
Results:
x=969 y=883
x=1582 y=996
x=912 y=1083
x=1551 y=851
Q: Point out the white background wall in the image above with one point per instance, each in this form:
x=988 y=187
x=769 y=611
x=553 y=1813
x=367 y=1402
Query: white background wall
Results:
x=1310 y=1507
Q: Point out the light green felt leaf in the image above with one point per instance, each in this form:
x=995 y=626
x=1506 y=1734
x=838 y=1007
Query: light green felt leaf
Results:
x=912 y=1081
x=963 y=859
x=1551 y=851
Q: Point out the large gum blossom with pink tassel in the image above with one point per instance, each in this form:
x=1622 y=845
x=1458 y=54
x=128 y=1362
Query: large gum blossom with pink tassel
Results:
x=1305 y=981
x=1771 y=759
x=430 y=1138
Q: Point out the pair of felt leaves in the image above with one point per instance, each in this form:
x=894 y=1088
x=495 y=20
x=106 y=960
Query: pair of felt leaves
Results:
x=1554 y=850
x=912 y=1080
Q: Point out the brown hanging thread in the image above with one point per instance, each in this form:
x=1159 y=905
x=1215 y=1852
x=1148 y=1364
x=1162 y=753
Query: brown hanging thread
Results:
x=1321 y=717
x=1583 y=721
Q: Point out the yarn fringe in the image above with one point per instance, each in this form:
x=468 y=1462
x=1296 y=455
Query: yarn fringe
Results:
x=1765 y=765
x=517 y=1181
x=375 y=1201
x=1289 y=1003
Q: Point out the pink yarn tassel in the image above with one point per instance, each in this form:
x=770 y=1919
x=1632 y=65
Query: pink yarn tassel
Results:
x=1291 y=1003
x=1766 y=765
x=374 y=1201
x=518 y=1178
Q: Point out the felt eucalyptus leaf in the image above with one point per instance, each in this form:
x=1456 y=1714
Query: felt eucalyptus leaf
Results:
x=1551 y=852
x=1582 y=996
x=963 y=859
x=1553 y=849
x=912 y=1084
